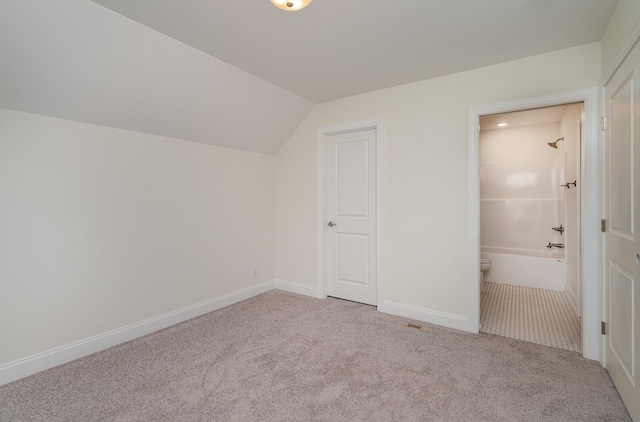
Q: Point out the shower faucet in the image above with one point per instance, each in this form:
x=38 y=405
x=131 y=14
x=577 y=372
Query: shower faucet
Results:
x=555 y=245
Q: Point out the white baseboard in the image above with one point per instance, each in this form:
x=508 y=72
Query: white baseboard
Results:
x=42 y=361
x=301 y=289
x=456 y=322
x=420 y=314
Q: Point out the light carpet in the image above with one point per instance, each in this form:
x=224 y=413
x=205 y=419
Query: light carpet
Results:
x=535 y=315
x=284 y=357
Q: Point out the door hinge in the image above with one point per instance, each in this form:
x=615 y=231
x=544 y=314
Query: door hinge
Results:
x=603 y=328
x=603 y=123
x=603 y=225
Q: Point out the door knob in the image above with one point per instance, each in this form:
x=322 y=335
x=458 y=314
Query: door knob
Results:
x=331 y=224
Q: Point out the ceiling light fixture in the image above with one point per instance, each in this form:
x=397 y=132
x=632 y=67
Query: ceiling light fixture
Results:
x=503 y=124
x=291 y=5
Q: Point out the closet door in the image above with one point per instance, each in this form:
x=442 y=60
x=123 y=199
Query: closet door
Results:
x=352 y=216
x=622 y=236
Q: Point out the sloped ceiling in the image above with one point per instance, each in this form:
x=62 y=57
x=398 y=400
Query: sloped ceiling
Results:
x=243 y=74
x=337 y=48
x=77 y=60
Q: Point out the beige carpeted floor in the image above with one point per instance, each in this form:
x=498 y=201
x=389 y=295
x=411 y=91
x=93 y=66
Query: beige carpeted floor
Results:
x=283 y=357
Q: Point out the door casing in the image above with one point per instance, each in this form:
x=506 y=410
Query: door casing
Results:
x=322 y=133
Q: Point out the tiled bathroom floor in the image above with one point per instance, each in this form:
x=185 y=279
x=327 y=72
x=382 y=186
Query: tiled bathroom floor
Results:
x=534 y=315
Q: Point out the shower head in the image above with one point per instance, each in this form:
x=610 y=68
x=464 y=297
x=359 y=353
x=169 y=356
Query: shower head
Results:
x=554 y=144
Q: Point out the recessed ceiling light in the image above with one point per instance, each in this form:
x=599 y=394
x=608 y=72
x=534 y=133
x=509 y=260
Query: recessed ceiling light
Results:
x=503 y=124
x=291 y=5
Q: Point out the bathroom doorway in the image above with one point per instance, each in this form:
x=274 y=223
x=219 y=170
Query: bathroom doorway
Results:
x=529 y=176
x=590 y=207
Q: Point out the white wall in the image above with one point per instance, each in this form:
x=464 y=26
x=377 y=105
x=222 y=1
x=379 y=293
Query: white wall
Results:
x=625 y=17
x=520 y=194
x=425 y=173
x=102 y=227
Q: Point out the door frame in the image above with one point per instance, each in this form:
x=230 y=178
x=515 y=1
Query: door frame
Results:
x=589 y=203
x=321 y=179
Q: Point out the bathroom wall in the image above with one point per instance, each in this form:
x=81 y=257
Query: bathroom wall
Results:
x=571 y=129
x=521 y=201
x=520 y=194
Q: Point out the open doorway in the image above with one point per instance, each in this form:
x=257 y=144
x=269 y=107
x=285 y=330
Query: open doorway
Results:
x=530 y=225
x=589 y=205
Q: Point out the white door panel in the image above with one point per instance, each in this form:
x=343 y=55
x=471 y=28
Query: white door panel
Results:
x=621 y=334
x=351 y=211
x=352 y=178
x=353 y=258
x=622 y=240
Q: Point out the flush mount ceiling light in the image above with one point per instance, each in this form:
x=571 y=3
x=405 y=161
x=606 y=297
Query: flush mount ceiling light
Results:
x=503 y=124
x=291 y=5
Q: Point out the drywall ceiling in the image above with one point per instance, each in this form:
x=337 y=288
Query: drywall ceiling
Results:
x=244 y=74
x=531 y=117
x=336 y=48
x=77 y=60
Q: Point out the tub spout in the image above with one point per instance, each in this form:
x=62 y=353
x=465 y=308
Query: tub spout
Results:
x=555 y=245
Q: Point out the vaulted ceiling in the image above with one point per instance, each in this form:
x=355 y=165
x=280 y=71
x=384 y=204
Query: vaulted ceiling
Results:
x=244 y=74
x=336 y=48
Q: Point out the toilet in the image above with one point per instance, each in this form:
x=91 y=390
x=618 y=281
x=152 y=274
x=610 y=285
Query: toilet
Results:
x=485 y=264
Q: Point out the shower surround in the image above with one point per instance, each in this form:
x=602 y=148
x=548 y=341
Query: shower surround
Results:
x=521 y=201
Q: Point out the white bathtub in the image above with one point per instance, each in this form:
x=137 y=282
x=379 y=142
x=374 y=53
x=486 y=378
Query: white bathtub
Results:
x=529 y=268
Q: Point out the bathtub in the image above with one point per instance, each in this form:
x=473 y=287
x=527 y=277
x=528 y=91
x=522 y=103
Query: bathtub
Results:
x=540 y=269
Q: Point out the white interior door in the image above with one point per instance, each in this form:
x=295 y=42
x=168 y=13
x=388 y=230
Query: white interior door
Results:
x=351 y=216
x=622 y=239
